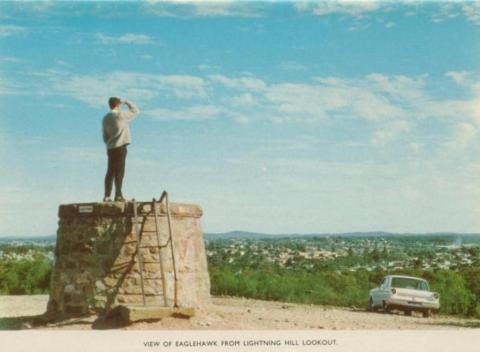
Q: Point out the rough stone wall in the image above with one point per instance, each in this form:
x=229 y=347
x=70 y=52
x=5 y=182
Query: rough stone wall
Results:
x=96 y=265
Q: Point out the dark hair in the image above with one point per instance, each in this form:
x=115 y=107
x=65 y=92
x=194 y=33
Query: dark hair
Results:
x=113 y=101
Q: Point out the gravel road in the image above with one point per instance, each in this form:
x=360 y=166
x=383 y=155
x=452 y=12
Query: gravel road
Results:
x=237 y=313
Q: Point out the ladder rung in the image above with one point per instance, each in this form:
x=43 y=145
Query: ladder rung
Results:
x=149 y=231
x=154 y=246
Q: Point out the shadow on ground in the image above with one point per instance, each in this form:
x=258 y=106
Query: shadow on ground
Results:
x=40 y=321
x=19 y=323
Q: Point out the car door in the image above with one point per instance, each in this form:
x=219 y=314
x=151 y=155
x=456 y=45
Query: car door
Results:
x=384 y=291
x=378 y=293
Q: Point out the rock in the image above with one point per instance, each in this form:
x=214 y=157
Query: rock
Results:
x=26 y=325
x=100 y=286
x=69 y=288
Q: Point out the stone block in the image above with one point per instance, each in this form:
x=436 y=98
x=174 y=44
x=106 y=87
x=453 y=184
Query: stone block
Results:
x=96 y=261
x=132 y=313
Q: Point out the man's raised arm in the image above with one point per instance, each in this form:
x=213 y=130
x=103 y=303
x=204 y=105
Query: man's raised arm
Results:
x=133 y=111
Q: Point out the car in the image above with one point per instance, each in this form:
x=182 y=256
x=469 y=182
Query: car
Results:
x=406 y=293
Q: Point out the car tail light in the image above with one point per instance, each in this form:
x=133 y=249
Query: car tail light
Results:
x=394 y=291
x=436 y=295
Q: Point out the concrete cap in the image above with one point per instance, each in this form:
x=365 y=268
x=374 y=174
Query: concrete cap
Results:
x=111 y=209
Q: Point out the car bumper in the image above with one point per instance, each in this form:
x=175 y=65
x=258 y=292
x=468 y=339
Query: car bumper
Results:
x=413 y=304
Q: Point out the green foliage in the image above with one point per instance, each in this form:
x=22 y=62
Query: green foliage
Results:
x=25 y=276
x=454 y=295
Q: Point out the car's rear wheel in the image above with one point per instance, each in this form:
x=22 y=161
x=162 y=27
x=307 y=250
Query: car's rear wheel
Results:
x=371 y=307
x=408 y=312
x=426 y=313
x=386 y=307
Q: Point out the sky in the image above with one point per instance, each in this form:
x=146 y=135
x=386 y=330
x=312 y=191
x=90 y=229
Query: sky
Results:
x=276 y=117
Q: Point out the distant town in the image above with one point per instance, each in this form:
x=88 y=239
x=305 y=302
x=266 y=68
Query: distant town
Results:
x=355 y=252
x=348 y=252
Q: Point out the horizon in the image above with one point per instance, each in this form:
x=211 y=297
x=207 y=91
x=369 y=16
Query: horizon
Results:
x=327 y=234
x=306 y=117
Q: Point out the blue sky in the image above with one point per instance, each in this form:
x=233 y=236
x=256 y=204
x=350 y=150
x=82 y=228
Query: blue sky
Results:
x=273 y=116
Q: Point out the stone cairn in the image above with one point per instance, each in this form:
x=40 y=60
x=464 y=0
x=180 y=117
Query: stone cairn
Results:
x=96 y=264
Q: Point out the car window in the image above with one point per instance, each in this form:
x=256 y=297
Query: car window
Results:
x=424 y=286
x=410 y=283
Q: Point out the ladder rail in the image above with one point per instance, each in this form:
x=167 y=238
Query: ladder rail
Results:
x=139 y=255
x=164 y=196
x=160 y=257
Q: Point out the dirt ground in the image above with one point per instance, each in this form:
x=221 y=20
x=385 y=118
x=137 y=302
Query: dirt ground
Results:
x=17 y=312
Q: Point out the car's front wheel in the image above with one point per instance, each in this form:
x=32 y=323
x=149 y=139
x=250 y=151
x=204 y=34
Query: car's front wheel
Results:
x=371 y=307
x=426 y=313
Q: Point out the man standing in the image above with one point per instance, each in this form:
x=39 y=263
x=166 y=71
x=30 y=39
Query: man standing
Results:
x=116 y=136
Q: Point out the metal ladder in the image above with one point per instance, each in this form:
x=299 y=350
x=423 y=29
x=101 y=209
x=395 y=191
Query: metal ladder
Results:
x=137 y=231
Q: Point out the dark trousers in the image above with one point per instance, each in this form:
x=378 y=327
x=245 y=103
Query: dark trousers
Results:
x=116 y=170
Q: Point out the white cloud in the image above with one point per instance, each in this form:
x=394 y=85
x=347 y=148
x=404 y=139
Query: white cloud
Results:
x=95 y=89
x=191 y=113
x=214 y=9
x=390 y=132
x=463 y=135
x=247 y=83
x=470 y=11
x=184 y=86
x=189 y=9
x=246 y=99
x=391 y=106
x=7 y=30
x=8 y=87
x=398 y=87
x=459 y=77
x=9 y=59
x=356 y=9
x=241 y=119
x=332 y=98
x=129 y=38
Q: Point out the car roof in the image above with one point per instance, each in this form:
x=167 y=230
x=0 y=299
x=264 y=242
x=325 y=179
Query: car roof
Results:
x=406 y=277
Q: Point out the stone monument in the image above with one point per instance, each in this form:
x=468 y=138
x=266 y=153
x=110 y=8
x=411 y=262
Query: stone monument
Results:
x=102 y=247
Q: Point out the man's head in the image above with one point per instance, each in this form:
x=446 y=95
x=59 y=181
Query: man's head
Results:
x=113 y=102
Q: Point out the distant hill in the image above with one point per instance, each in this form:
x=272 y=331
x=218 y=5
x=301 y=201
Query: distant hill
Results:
x=30 y=239
x=237 y=234
x=257 y=235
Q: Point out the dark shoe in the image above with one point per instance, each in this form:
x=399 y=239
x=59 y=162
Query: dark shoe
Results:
x=107 y=199
x=119 y=199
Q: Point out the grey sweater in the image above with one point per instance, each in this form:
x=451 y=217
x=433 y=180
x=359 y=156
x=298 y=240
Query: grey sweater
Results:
x=116 y=132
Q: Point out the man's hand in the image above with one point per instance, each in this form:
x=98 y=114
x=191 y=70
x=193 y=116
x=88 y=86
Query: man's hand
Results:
x=133 y=110
x=126 y=102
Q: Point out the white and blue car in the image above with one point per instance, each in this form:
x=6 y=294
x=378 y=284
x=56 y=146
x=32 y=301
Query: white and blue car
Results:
x=406 y=293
